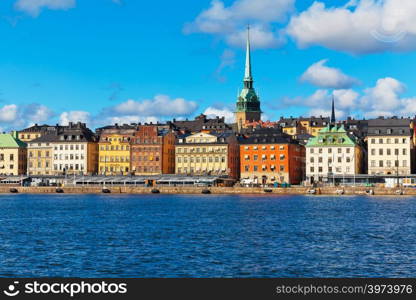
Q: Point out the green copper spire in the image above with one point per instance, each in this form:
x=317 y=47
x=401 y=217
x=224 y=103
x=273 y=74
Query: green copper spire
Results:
x=247 y=74
x=248 y=101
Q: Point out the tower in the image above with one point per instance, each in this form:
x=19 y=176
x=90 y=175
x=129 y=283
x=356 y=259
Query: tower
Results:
x=333 y=120
x=248 y=103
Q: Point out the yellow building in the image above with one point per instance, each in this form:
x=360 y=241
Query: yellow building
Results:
x=35 y=131
x=39 y=158
x=114 y=150
x=301 y=125
x=204 y=153
x=13 y=155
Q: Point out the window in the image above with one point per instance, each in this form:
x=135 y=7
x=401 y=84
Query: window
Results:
x=380 y=151
x=312 y=169
x=255 y=157
x=255 y=168
x=339 y=150
x=339 y=159
x=373 y=163
x=380 y=141
x=380 y=164
x=312 y=160
x=246 y=168
x=330 y=150
x=404 y=151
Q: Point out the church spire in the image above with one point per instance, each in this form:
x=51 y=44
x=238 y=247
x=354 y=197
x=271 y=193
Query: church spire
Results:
x=248 y=79
x=333 y=120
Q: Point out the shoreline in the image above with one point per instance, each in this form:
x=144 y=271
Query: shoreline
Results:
x=329 y=191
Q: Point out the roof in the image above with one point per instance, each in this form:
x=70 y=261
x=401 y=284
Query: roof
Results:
x=8 y=141
x=266 y=136
x=313 y=121
x=200 y=123
x=72 y=133
x=332 y=135
x=390 y=126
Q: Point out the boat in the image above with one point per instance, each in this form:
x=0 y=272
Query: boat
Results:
x=268 y=190
x=339 y=192
x=206 y=191
x=369 y=192
x=155 y=191
x=59 y=190
x=311 y=191
x=106 y=191
x=13 y=190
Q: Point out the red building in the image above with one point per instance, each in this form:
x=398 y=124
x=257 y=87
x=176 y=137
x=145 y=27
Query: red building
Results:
x=153 y=150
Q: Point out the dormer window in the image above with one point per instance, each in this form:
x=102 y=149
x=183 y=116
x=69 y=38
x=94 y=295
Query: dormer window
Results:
x=389 y=131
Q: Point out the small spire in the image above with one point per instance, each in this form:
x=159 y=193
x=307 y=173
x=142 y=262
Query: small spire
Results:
x=333 y=120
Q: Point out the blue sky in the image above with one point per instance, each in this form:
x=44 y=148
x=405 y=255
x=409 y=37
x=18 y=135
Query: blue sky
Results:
x=106 y=61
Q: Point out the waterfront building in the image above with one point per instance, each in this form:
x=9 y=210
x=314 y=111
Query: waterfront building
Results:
x=207 y=154
x=201 y=124
x=35 y=131
x=153 y=150
x=303 y=125
x=13 y=155
x=248 y=103
x=333 y=152
x=269 y=156
x=75 y=150
x=39 y=157
x=390 y=146
x=65 y=150
x=114 y=149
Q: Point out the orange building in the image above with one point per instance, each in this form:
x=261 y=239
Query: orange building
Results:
x=153 y=150
x=268 y=156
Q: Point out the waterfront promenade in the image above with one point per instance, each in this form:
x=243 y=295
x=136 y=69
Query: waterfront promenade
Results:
x=212 y=190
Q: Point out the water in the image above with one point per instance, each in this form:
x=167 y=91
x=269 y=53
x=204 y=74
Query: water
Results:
x=206 y=236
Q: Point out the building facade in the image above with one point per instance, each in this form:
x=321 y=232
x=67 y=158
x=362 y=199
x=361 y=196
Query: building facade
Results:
x=39 y=157
x=248 y=103
x=207 y=154
x=114 y=149
x=75 y=150
x=13 y=155
x=153 y=150
x=35 y=131
x=390 y=146
x=333 y=152
x=299 y=126
x=268 y=156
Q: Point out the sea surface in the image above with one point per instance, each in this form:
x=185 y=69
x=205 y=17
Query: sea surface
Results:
x=206 y=236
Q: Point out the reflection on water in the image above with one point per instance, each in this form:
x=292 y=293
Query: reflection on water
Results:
x=207 y=236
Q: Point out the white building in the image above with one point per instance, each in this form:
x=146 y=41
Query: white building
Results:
x=390 y=146
x=332 y=152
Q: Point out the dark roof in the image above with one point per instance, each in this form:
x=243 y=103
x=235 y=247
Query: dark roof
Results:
x=72 y=133
x=37 y=128
x=267 y=136
x=389 y=126
x=313 y=121
x=200 y=123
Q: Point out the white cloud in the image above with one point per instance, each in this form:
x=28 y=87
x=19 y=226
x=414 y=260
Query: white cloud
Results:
x=228 y=22
x=212 y=112
x=383 y=99
x=360 y=27
x=8 y=113
x=159 y=106
x=326 y=77
x=74 y=116
x=320 y=102
x=37 y=113
x=13 y=116
x=34 y=7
